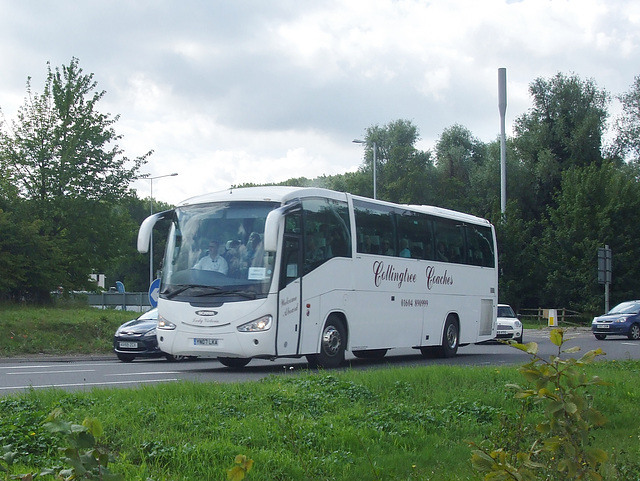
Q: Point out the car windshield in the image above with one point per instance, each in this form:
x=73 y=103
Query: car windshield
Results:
x=629 y=307
x=215 y=250
x=505 y=311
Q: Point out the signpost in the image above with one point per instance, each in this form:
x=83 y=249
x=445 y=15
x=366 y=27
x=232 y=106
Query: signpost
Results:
x=154 y=293
x=604 y=272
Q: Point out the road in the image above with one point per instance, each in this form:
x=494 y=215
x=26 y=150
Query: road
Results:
x=18 y=375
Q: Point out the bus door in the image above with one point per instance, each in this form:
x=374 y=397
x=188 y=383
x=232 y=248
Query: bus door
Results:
x=290 y=296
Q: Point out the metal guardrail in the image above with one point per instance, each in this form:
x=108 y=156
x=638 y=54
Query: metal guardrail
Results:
x=139 y=300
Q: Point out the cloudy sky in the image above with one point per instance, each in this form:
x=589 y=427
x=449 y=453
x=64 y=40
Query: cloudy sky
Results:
x=234 y=91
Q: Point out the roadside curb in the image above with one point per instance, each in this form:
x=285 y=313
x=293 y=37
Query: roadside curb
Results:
x=58 y=358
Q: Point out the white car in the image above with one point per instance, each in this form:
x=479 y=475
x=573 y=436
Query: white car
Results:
x=509 y=326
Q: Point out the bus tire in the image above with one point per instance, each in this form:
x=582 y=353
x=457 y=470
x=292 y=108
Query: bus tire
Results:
x=234 y=362
x=450 y=338
x=370 y=353
x=332 y=345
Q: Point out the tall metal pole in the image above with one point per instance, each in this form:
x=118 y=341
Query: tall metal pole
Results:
x=375 y=168
x=151 y=276
x=502 y=106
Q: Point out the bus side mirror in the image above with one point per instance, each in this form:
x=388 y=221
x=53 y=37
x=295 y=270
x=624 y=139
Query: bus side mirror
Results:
x=271 y=227
x=274 y=220
x=146 y=228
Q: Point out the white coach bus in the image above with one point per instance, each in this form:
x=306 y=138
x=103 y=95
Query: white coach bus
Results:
x=272 y=272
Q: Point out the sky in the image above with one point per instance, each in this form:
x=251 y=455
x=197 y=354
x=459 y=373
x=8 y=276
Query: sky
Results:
x=227 y=92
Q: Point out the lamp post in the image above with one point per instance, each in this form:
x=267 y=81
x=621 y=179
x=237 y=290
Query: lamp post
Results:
x=151 y=179
x=375 y=163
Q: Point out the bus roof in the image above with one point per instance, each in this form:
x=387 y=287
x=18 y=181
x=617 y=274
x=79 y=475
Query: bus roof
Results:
x=284 y=194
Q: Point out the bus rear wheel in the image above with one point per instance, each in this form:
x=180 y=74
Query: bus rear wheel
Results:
x=234 y=362
x=450 y=338
x=332 y=345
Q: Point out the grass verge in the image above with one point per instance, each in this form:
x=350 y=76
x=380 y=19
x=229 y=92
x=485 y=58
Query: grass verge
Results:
x=387 y=424
x=60 y=330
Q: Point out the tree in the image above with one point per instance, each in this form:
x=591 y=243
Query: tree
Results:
x=401 y=169
x=627 y=143
x=597 y=206
x=563 y=129
x=458 y=155
x=69 y=172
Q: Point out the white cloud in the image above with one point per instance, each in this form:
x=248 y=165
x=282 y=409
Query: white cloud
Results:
x=229 y=92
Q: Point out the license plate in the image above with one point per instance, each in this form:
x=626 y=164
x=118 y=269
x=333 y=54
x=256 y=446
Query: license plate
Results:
x=205 y=342
x=128 y=345
x=604 y=326
x=502 y=333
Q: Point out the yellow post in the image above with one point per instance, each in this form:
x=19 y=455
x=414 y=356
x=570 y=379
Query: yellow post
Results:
x=553 y=318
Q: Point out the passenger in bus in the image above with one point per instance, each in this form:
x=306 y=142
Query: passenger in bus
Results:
x=214 y=261
x=387 y=249
x=337 y=244
x=232 y=256
x=370 y=247
x=404 y=244
x=441 y=254
x=255 y=251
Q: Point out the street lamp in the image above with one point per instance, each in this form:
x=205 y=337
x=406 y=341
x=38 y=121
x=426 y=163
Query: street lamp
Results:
x=151 y=179
x=375 y=163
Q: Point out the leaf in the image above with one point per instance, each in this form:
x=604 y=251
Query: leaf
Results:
x=93 y=426
x=235 y=474
x=596 y=456
x=557 y=336
x=482 y=461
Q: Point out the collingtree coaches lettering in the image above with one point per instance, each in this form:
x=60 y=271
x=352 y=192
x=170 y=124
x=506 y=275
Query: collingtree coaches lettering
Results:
x=437 y=279
x=389 y=274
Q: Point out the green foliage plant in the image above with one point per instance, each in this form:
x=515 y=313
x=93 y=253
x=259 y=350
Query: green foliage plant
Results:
x=242 y=465
x=560 y=447
x=84 y=458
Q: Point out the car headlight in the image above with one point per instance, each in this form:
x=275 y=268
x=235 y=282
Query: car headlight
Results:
x=261 y=324
x=518 y=324
x=166 y=325
x=150 y=333
x=621 y=319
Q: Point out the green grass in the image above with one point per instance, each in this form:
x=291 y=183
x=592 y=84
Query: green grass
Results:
x=383 y=424
x=61 y=330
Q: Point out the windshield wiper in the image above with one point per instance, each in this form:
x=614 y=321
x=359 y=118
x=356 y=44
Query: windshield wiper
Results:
x=181 y=289
x=219 y=292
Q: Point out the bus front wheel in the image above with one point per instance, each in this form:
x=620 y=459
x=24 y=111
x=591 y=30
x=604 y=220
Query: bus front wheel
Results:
x=332 y=345
x=234 y=362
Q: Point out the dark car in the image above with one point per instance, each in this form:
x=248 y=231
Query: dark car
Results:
x=622 y=320
x=137 y=338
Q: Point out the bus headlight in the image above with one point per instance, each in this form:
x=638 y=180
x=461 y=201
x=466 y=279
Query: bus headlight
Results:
x=261 y=324
x=166 y=325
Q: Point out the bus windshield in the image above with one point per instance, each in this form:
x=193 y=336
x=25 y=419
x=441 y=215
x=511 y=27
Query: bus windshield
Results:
x=215 y=251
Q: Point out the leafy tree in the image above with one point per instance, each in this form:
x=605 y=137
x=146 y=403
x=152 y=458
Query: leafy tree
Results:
x=627 y=143
x=458 y=154
x=563 y=129
x=401 y=169
x=66 y=166
x=597 y=206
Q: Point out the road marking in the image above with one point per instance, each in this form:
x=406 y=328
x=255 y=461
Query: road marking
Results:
x=23 y=373
x=142 y=373
x=47 y=366
x=84 y=384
